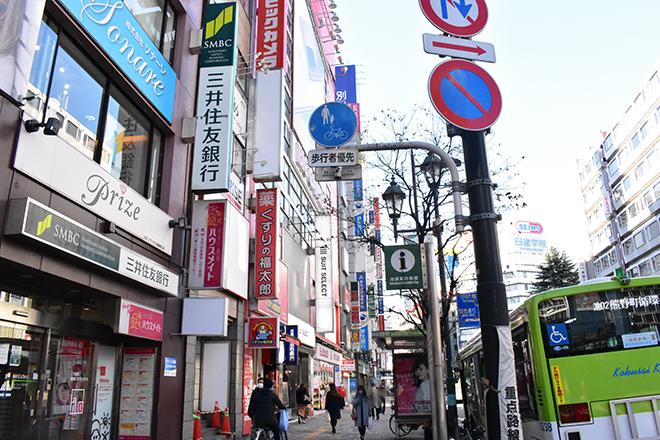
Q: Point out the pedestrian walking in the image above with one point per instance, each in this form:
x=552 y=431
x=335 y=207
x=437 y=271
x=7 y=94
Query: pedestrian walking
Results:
x=361 y=410
x=382 y=396
x=333 y=406
x=262 y=407
x=303 y=400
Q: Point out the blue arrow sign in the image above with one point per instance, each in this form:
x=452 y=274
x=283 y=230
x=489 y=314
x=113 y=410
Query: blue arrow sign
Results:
x=333 y=124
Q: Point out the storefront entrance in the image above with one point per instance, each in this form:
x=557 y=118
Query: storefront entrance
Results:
x=53 y=386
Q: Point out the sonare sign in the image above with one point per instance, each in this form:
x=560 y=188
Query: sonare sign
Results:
x=113 y=26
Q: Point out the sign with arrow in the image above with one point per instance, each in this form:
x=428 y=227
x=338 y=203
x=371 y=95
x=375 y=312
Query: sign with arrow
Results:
x=458 y=48
x=462 y=18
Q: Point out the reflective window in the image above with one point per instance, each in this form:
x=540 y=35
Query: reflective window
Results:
x=97 y=118
x=158 y=19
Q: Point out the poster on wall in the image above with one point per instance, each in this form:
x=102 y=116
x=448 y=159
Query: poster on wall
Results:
x=137 y=393
x=72 y=381
x=411 y=379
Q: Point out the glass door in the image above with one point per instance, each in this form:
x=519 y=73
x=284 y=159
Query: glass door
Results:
x=20 y=359
x=104 y=385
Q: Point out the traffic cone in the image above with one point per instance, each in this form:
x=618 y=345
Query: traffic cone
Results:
x=226 y=429
x=197 y=429
x=215 y=423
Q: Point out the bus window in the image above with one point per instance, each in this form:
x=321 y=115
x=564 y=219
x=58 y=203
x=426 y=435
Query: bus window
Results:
x=524 y=376
x=595 y=322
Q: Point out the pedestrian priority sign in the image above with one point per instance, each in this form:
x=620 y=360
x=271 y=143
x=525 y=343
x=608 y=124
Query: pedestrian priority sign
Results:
x=404 y=267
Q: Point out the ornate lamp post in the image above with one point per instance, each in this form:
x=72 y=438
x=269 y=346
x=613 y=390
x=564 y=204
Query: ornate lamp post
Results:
x=393 y=198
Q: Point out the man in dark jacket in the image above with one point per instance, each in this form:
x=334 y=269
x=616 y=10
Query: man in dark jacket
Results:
x=262 y=408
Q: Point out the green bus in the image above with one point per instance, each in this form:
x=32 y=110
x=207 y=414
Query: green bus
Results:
x=587 y=363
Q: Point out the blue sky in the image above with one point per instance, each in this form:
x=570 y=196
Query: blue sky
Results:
x=566 y=71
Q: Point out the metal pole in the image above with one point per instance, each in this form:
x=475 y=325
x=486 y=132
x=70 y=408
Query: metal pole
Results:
x=435 y=342
x=491 y=291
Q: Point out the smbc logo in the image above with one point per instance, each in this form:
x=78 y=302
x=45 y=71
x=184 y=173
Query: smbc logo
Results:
x=214 y=26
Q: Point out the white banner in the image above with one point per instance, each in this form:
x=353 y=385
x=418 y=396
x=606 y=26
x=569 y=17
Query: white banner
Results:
x=510 y=422
x=325 y=312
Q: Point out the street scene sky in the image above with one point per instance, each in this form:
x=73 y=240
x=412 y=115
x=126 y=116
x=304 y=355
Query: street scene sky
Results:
x=566 y=72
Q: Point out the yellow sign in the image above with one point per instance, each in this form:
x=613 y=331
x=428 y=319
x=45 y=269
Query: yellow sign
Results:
x=556 y=377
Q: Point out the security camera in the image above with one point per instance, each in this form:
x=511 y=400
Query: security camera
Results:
x=337 y=173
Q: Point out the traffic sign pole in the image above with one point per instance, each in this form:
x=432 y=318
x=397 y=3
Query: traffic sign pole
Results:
x=491 y=291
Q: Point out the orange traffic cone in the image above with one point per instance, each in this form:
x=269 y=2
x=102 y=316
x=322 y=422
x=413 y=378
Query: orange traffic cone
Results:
x=215 y=423
x=226 y=429
x=197 y=429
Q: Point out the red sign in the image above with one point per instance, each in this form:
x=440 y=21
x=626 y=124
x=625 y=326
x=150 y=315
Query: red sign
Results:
x=266 y=244
x=347 y=365
x=207 y=244
x=248 y=378
x=465 y=95
x=462 y=18
x=263 y=332
x=140 y=321
x=271 y=33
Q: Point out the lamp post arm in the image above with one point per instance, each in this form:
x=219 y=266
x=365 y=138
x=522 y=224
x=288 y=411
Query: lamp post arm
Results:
x=446 y=158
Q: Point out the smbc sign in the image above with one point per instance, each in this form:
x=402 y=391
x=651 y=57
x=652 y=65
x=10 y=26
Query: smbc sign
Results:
x=404 y=267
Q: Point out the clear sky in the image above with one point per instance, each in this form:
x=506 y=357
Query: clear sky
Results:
x=566 y=71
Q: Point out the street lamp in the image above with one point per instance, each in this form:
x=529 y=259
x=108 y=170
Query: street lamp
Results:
x=393 y=198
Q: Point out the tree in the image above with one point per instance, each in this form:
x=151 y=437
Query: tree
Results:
x=558 y=271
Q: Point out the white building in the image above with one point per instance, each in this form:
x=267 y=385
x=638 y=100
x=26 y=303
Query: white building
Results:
x=620 y=181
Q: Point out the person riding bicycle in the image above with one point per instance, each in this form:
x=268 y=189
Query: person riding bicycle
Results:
x=262 y=408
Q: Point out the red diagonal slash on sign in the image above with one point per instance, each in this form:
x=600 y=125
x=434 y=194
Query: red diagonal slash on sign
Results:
x=466 y=93
x=478 y=50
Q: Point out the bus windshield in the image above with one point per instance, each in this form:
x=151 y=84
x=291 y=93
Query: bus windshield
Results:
x=595 y=322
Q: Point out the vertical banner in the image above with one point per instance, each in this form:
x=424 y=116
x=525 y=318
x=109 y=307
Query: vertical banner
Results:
x=271 y=33
x=215 y=100
x=362 y=290
x=324 y=276
x=267 y=244
x=345 y=84
x=208 y=231
x=248 y=386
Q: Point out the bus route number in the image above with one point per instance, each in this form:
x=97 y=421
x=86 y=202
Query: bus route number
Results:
x=546 y=427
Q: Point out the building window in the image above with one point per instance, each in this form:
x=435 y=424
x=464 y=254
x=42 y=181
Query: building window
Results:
x=98 y=120
x=639 y=171
x=655 y=261
x=648 y=198
x=613 y=169
x=645 y=269
x=633 y=272
x=656 y=191
x=607 y=143
x=158 y=19
x=627 y=183
x=644 y=131
x=633 y=210
x=635 y=141
x=628 y=247
x=622 y=219
x=639 y=239
x=617 y=193
x=652 y=230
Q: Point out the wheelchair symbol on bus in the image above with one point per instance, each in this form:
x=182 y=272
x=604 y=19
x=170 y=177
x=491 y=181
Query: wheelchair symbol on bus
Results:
x=557 y=334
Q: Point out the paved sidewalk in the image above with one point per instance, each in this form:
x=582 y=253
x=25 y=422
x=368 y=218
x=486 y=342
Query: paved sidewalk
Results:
x=318 y=429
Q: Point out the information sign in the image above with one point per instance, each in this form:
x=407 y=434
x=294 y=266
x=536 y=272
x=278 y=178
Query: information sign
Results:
x=403 y=267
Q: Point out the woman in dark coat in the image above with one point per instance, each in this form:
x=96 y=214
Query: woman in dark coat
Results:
x=262 y=408
x=333 y=406
x=303 y=400
x=362 y=410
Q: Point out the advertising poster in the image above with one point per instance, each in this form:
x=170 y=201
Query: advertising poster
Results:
x=137 y=390
x=411 y=378
x=263 y=332
x=248 y=386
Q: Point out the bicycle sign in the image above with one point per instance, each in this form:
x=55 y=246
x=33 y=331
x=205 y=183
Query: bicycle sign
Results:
x=332 y=124
x=557 y=334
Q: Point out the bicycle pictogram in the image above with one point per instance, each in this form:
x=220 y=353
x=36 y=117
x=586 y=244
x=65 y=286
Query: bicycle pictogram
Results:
x=335 y=133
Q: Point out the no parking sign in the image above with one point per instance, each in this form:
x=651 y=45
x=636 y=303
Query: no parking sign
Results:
x=465 y=95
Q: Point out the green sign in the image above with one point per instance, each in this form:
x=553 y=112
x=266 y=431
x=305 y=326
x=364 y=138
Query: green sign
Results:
x=219 y=39
x=403 y=267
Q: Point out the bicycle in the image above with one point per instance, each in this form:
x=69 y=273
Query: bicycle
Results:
x=267 y=434
x=400 y=429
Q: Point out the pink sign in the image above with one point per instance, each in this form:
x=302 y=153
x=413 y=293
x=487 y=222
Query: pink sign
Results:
x=248 y=386
x=207 y=244
x=140 y=321
x=411 y=377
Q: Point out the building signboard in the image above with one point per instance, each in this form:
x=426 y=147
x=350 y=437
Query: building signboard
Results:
x=39 y=222
x=211 y=168
x=267 y=244
x=140 y=321
x=325 y=308
x=93 y=188
x=271 y=34
x=120 y=35
x=263 y=332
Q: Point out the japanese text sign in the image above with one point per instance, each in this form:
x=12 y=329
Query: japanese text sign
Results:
x=267 y=255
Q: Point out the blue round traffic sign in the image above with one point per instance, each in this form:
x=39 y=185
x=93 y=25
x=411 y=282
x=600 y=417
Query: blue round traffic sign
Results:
x=465 y=95
x=332 y=124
